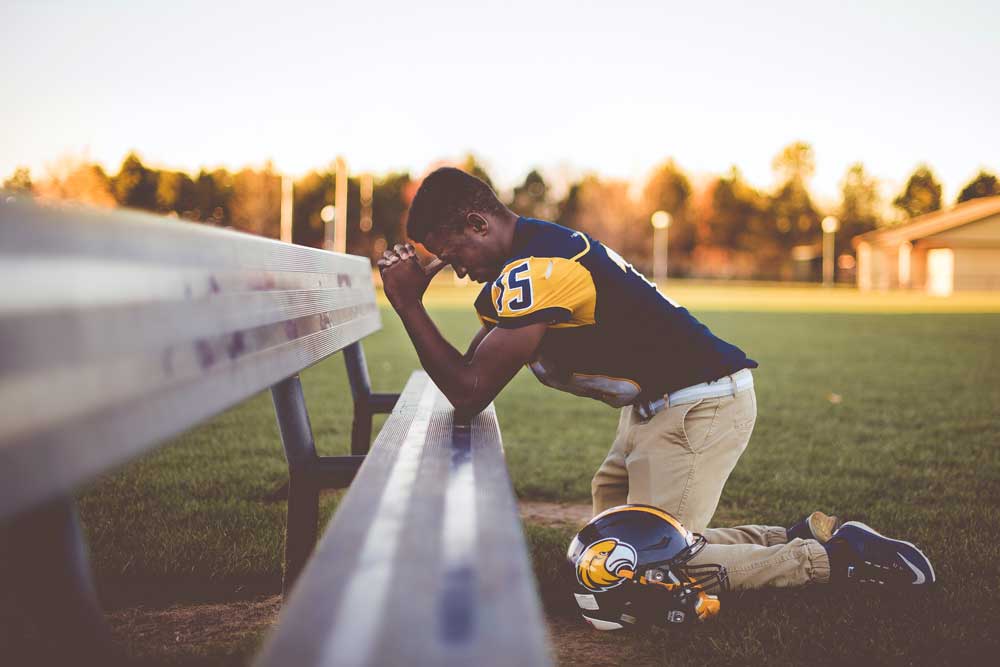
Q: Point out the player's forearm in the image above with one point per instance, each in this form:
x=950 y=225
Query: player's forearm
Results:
x=446 y=365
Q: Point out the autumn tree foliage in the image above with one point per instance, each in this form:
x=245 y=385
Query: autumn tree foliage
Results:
x=256 y=203
x=605 y=209
x=531 y=198
x=248 y=200
x=722 y=226
x=860 y=204
x=737 y=217
x=72 y=179
x=669 y=189
x=921 y=195
x=471 y=164
x=732 y=228
x=791 y=208
x=19 y=182
x=135 y=185
x=983 y=185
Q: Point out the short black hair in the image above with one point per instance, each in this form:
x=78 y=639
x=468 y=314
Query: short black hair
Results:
x=444 y=200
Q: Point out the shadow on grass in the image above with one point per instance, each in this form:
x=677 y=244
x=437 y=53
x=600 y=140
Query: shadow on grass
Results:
x=119 y=593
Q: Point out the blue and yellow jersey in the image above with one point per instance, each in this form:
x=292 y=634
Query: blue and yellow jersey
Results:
x=611 y=334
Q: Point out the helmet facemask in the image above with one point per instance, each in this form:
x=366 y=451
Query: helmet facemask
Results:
x=688 y=592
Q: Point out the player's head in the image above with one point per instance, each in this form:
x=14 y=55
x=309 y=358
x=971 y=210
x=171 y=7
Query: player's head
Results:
x=459 y=218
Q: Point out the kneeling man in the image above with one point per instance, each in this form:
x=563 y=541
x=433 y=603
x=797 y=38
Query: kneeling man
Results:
x=586 y=322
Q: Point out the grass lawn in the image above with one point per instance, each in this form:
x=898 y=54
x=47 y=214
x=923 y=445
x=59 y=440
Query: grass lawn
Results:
x=911 y=447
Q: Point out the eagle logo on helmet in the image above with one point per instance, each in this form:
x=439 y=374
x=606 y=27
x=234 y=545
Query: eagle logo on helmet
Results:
x=605 y=564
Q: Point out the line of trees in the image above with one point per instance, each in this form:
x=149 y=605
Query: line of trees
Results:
x=248 y=200
x=724 y=227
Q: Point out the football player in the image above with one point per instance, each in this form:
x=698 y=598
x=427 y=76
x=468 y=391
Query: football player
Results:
x=585 y=321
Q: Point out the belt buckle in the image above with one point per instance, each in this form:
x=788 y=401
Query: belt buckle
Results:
x=648 y=409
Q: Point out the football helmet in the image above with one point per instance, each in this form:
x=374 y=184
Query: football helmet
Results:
x=632 y=569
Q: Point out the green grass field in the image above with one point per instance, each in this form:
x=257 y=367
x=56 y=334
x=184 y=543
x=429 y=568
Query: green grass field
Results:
x=912 y=448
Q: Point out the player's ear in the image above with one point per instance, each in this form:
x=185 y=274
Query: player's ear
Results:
x=477 y=222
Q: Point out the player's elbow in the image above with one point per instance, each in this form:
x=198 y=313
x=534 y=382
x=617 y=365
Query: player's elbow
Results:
x=467 y=411
x=467 y=407
x=469 y=403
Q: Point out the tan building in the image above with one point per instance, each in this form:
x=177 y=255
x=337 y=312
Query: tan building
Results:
x=954 y=249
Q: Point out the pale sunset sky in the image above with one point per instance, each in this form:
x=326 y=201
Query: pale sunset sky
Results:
x=567 y=87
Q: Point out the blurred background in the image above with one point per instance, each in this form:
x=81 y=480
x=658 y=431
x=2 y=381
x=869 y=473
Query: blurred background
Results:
x=746 y=126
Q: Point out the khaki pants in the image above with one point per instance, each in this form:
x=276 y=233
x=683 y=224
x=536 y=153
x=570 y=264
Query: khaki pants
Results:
x=679 y=461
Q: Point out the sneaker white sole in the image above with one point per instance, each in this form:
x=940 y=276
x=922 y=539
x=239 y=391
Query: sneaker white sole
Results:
x=868 y=528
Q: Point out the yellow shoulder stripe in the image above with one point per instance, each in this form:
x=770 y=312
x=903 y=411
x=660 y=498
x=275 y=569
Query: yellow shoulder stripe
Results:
x=585 y=250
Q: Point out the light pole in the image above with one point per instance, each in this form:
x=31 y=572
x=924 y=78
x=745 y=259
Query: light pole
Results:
x=287 y=206
x=327 y=214
x=367 y=192
x=661 y=222
x=340 y=204
x=830 y=226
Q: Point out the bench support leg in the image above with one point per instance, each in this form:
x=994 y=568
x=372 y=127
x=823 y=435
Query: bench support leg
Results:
x=54 y=609
x=302 y=529
x=308 y=474
x=303 y=487
x=361 y=390
x=366 y=403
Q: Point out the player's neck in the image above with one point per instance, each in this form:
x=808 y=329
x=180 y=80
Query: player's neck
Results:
x=506 y=224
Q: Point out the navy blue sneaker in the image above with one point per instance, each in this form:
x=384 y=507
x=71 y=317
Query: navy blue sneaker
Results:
x=860 y=554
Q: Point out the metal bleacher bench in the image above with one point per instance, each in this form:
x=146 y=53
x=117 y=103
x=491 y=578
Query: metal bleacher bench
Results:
x=119 y=330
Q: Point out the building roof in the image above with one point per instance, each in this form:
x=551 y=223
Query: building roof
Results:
x=932 y=223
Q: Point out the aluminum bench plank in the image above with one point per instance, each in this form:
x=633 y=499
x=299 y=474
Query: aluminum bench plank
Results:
x=424 y=562
x=121 y=329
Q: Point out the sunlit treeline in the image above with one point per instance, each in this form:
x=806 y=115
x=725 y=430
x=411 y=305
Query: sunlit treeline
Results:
x=721 y=227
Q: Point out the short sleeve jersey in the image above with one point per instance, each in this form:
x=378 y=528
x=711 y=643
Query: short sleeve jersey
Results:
x=611 y=334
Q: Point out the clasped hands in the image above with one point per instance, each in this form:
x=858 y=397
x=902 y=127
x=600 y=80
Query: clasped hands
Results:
x=404 y=280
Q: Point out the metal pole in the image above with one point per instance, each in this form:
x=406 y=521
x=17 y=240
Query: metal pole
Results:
x=666 y=252
x=303 y=488
x=661 y=225
x=658 y=234
x=829 y=225
x=340 y=206
x=328 y=214
x=361 y=391
x=828 y=258
x=287 y=206
x=45 y=573
x=367 y=192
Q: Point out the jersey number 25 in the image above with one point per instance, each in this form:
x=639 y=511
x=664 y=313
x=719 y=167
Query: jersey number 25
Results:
x=512 y=290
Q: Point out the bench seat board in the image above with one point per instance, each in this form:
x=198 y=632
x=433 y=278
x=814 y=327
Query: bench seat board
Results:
x=424 y=562
x=121 y=329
